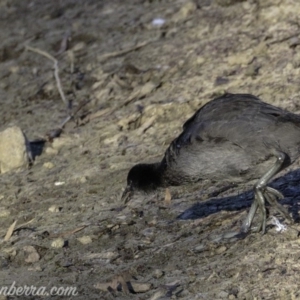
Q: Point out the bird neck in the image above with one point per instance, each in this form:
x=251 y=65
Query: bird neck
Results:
x=154 y=174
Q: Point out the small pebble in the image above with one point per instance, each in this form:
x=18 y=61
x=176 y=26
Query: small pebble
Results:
x=158 y=22
x=35 y=268
x=51 y=151
x=185 y=11
x=54 y=208
x=48 y=165
x=158 y=274
x=221 y=249
x=58 y=243
x=12 y=252
x=223 y=295
x=4 y=212
x=86 y=239
x=33 y=255
x=83 y=179
x=79 y=47
x=199 y=248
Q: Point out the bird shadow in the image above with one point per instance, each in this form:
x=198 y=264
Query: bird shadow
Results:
x=288 y=185
x=37 y=147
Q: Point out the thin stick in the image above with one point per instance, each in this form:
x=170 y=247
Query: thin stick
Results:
x=56 y=70
x=118 y=53
x=64 y=43
x=72 y=115
x=10 y=231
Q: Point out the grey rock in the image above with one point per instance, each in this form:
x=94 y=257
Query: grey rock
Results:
x=15 y=150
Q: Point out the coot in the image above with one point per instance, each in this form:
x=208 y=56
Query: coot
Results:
x=236 y=137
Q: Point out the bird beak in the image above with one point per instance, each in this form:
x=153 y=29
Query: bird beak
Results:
x=127 y=194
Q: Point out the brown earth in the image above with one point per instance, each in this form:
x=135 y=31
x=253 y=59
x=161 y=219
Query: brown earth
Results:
x=133 y=84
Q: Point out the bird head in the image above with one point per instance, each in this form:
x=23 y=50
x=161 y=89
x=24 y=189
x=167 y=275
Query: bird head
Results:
x=143 y=177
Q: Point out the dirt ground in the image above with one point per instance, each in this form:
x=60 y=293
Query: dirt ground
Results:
x=130 y=83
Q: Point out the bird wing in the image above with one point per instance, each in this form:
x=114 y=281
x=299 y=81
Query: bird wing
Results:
x=239 y=118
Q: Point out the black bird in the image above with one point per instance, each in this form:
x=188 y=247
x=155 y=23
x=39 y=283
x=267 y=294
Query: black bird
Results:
x=236 y=137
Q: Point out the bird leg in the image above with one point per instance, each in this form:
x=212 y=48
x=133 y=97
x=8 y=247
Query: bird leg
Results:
x=262 y=193
x=271 y=198
x=270 y=195
x=248 y=221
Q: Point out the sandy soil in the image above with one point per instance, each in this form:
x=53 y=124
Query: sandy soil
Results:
x=132 y=84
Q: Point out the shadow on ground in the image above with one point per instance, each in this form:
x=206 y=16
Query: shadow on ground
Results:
x=288 y=185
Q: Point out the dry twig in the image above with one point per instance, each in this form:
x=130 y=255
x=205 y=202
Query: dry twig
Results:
x=168 y=197
x=64 y=43
x=10 y=231
x=56 y=70
x=105 y=56
x=67 y=233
